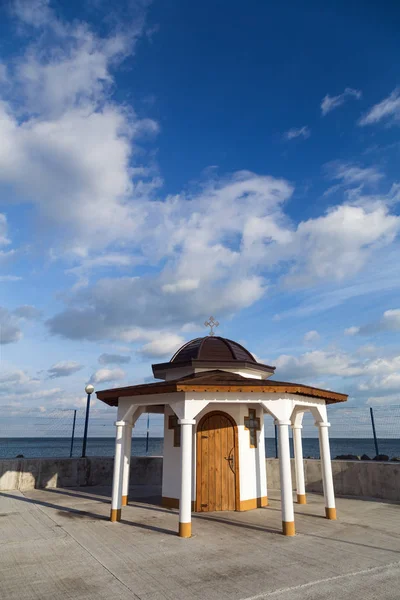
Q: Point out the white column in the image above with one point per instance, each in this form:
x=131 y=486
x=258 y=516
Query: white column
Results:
x=127 y=463
x=262 y=467
x=326 y=467
x=118 y=467
x=286 y=478
x=299 y=464
x=185 y=499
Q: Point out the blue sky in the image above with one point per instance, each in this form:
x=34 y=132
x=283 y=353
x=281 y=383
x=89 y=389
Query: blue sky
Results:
x=163 y=162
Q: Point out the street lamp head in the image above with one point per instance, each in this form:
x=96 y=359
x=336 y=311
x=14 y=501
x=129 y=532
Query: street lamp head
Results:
x=89 y=389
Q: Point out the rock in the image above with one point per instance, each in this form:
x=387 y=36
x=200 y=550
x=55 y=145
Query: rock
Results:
x=395 y=459
x=346 y=457
x=20 y=456
x=365 y=457
x=381 y=457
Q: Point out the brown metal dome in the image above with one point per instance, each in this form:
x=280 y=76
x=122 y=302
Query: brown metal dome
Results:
x=210 y=349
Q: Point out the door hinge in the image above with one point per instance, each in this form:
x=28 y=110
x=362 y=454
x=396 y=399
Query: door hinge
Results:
x=205 y=437
x=204 y=505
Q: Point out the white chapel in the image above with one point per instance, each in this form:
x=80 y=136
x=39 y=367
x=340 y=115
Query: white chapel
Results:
x=214 y=395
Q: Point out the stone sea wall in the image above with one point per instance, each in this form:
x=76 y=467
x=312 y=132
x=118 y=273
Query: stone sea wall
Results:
x=29 y=473
x=359 y=478
x=351 y=478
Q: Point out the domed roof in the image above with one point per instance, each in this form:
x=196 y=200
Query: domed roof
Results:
x=211 y=353
x=210 y=349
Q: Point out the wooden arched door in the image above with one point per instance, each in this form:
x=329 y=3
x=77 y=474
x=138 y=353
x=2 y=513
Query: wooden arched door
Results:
x=217 y=470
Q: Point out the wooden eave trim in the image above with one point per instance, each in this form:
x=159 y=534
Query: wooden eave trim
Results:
x=330 y=397
x=292 y=389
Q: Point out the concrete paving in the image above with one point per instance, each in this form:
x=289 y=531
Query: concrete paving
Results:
x=58 y=544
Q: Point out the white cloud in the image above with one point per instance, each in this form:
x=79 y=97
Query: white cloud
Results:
x=16 y=381
x=316 y=363
x=390 y=321
x=33 y=12
x=16 y=401
x=367 y=350
x=381 y=365
x=28 y=312
x=6 y=255
x=114 y=359
x=187 y=234
x=64 y=369
x=191 y=327
x=351 y=174
x=4 y=240
x=10 y=278
x=383 y=262
x=338 y=244
x=11 y=321
x=385 y=382
x=195 y=236
x=111 y=261
x=72 y=156
x=82 y=157
x=383 y=400
x=9 y=327
x=107 y=375
x=157 y=342
x=166 y=345
x=388 y=110
x=351 y=330
x=107 y=260
x=311 y=337
x=294 y=133
x=329 y=103
x=365 y=377
x=184 y=285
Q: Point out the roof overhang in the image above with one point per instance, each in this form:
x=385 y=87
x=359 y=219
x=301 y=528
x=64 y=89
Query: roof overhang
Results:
x=218 y=381
x=160 y=370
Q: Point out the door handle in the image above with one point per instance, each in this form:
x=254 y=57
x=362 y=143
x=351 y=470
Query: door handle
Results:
x=231 y=461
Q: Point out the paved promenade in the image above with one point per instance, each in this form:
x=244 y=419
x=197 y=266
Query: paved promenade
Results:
x=58 y=544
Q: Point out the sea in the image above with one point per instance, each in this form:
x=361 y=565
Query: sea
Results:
x=58 y=447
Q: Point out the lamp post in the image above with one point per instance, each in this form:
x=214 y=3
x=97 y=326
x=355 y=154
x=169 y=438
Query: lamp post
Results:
x=89 y=389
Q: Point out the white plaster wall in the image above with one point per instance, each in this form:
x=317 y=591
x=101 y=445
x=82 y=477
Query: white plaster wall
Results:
x=249 y=373
x=171 y=480
x=252 y=472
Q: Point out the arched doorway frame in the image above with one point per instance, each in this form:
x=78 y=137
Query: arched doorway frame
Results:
x=199 y=457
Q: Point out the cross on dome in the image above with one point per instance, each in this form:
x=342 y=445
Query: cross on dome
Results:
x=211 y=323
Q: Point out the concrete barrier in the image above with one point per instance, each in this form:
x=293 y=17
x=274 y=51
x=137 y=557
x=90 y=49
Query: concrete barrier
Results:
x=351 y=478
x=29 y=473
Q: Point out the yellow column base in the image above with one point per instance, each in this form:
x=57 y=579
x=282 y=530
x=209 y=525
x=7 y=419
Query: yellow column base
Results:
x=301 y=499
x=124 y=501
x=185 y=530
x=115 y=515
x=330 y=513
x=288 y=528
